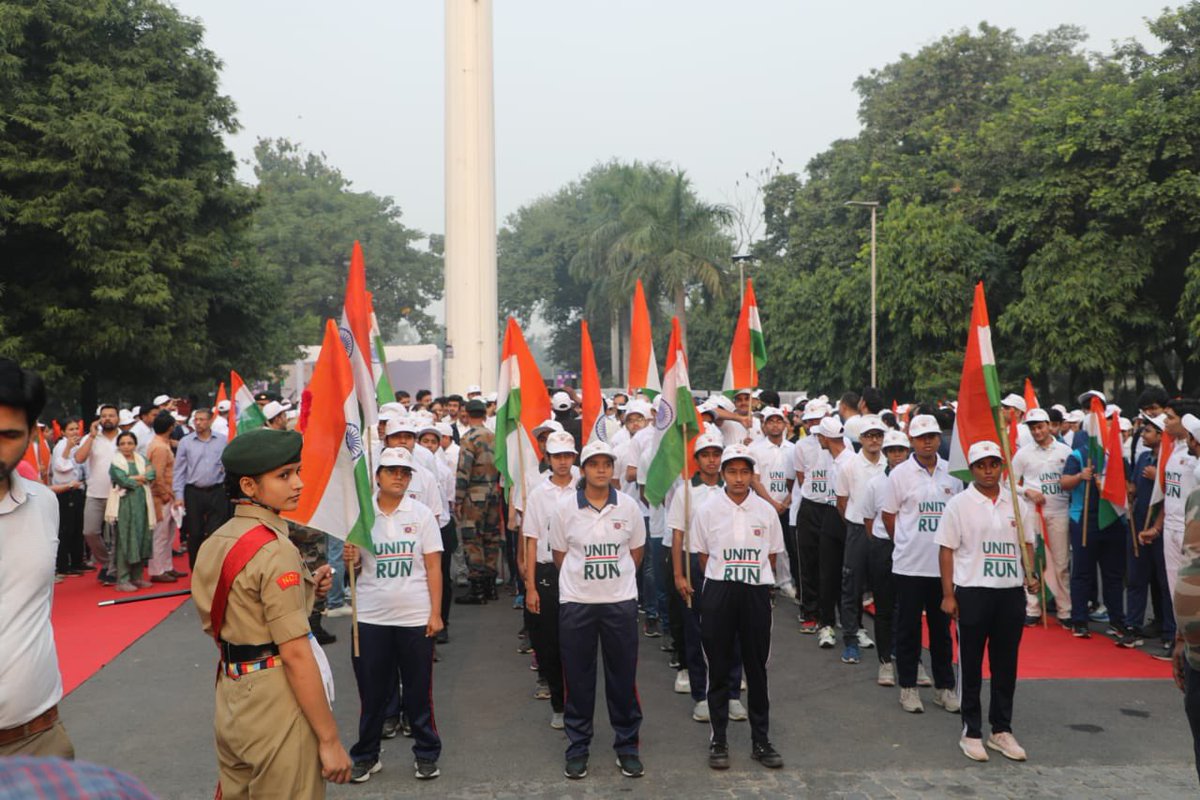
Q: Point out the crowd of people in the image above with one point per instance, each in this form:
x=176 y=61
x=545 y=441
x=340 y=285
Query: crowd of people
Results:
x=846 y=508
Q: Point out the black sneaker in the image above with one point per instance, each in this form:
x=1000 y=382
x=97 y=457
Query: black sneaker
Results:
x=1114 y=630
x=405 y=727
x=443 y=636
x=718 y=755
x=391 y=727
x=631 y=765
x=668 y=645
x=576 y=768
x=1131 y=639
x=1031 y=621
x=1080 y=631
x=1165 y=653
x=650 y=629
x=426 y=770
x=673 y=662
x=765 y=754
x=362 y=771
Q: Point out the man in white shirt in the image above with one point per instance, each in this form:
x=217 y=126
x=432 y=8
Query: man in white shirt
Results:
x=143 y=427
x=1038 y=468
x=1013 y=410
x=879 y=555
x=220 y=422
x=982 y=575
x=32 y=684
x=851 y=478
x=831 y=435
x=96 y=454
x=813 y=468
x=773 y=478
x=67 y=483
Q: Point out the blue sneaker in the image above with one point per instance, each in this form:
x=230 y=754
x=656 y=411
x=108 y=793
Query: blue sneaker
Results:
x=519 y=602
x=1099 y=614
x=851 y=654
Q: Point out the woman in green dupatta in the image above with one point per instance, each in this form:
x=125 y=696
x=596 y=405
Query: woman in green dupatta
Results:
x=131 y=508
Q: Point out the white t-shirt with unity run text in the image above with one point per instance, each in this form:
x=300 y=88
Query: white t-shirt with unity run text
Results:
x=393 y=588
x=918 y=499
x=539 y=510
x=738 y=538
x=983 y=535
x=774 y=466
x=697 y=494
x=597 y=565
x=850 y=479
x=1041 y=468
x=1179 y=477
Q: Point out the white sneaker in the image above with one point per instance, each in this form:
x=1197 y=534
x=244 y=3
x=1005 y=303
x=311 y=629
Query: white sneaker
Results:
x=947 y=699
x=683 y=682
x=737 y=711
x=910 y=700
x=826 y=637
x=556 y=721
x=1006 y=744
x=700 y=711
x=743 y=683
x=887 y=674
x=864 y=640
x=788 y=590
x=973 y=749
x=923 y=676
x=340 y=611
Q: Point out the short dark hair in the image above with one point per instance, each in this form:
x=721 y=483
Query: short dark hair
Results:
x=208 y=412
x=850 y=399
x=163 y=422
x=1184 y=405
x=873 y=398
x=423 y=393
x=23 y=389
x=402 y=393
x=106 y=406
x=453 y=398
x=1153 y=396
x=769 y=397
x=123 y=434
x=1054 y=414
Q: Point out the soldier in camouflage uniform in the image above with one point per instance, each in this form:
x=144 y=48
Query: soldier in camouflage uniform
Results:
x=477 y=506
x=1187 y=621
x=311 y=544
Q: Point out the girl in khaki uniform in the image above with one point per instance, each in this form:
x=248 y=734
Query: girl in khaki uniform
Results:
x=275 y=732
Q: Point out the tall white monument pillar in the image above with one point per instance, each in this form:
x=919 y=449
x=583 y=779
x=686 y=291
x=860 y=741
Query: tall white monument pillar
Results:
x=472 y=334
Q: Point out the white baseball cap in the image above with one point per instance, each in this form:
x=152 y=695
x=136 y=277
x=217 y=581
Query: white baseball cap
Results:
x=1015 y=401
x=549 y=425
x=444 y=428
x=272 y=410
x=770 y=411
x=982 y=450
x=1074 y=416
x=561 y=401
x=1036 y=415
x=396 y=457
x=895 y=439
x=923 y=425
x=394 y=408
x=1192 y=425
x=474 y=389
x=639 y=407
x=136 y=411
x=721 y=401
x=560 y=442
x=815 y=411
x=830 y=428
x=708 y=439
x=736 y=451
x=162 y=398
x=428 y=426
x=594 y=448
x=1159 y=422
x=223 y=406
x=1126 y=424
x=736 y=392
x=871 y=422
x=125 y=417
x=491 y=397
x=1061 y=408
x=400 y=425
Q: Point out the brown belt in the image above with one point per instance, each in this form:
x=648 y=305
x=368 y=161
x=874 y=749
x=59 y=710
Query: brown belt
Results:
x=39 y=724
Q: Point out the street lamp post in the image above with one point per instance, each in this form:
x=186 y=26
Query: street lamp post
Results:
x=873 y=205
x=741 y=265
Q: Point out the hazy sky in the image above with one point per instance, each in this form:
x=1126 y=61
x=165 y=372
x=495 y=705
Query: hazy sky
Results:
x=712 y=86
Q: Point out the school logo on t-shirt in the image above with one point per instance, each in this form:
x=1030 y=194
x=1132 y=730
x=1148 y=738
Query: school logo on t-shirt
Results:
x=600 y=562
x=999 y=559
x=929 y=514
x=742 y=564
x=394 y=559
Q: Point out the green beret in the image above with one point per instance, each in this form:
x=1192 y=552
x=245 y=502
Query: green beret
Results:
x=261 y=450
x=476 y=407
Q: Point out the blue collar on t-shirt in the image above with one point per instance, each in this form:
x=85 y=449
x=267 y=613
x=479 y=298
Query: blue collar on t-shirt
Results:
x=582 y=500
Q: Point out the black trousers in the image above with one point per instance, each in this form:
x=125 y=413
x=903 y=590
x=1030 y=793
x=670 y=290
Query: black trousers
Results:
x=70 y=530
x=992 y=618
x=809 y=521
x=205 y=510
x=675 y=607
x=879 y=573
x=384 y=649
x=789 y=544
x=613 y=626
x=732 y=613
x=1106 y=549
x=833 y=546
x=915 y=594
x=449 y=545
x=543 y=633
x=1191 y=706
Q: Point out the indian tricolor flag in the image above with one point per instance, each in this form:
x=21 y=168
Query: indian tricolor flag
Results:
x=748 y=353
x=676 y=425
x=1031 y=401
x=337 y=483
x=524 y=404
x=383 y=384
x=591 y=400
x=977 y=417
x=643 y=367
x=1112 y=481
x=247 y=415
x=355 y=333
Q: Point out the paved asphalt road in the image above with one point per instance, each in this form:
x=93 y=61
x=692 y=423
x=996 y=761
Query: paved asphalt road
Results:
x=150 y=713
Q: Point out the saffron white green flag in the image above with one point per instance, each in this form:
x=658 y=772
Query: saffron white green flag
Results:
x=675 y=425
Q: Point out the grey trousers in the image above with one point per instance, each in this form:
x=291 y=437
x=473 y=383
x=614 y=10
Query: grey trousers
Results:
x=854 y=580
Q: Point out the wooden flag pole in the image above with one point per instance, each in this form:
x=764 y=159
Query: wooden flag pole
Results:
x=1046 y=563
x=1087 y=502
x=687 y=516
x=354 y=607
x=1006 y=450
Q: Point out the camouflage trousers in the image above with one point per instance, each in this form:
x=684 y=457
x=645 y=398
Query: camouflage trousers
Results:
x=311 y=545
x=481 y=547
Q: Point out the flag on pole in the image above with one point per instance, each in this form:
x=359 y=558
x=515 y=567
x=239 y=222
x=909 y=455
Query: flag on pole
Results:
x=246 y=415
x=643 y=366
x=676 y=425
x=337 y=485
x=1031 y=400
x=748 y=353
x=977 y=417
x=524 y=404
x=383 y=384
x=221 y=396
x=1159 y=493
x=1096 y=428
x=593 y=426
x=1112 y=481
x=355 y=333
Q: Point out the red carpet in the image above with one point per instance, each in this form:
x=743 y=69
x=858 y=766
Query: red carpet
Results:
x=88 y=636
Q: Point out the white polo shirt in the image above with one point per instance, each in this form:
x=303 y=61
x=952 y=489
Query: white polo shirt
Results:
x=774 y=467
x=393 y=588
x=1179 y=477
x=850 y=478
x=983 y=536
x=872 y=505
x=738 y=539
x=98 y=461
x=918 y=499
x=598 y=564
x=30 y=682
x=540 y=507
x=817 y=466
x=1041 y=468
x=697 y=495
x=426 y=490
x=733 y=432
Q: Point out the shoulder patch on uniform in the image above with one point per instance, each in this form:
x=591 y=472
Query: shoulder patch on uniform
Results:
x=288 y=579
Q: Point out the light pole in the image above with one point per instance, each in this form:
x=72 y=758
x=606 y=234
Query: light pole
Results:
x=741 y=265
x=871 y=204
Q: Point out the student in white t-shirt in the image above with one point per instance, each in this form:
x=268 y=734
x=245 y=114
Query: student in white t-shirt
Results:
x=852 y=475
x=879 y=555
x=399 y=609
x=814 y=474
x=738 y=537
x=598 y=537
x=541 y=576
x=983 y=578
x=774 y=474
x=431 y=440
